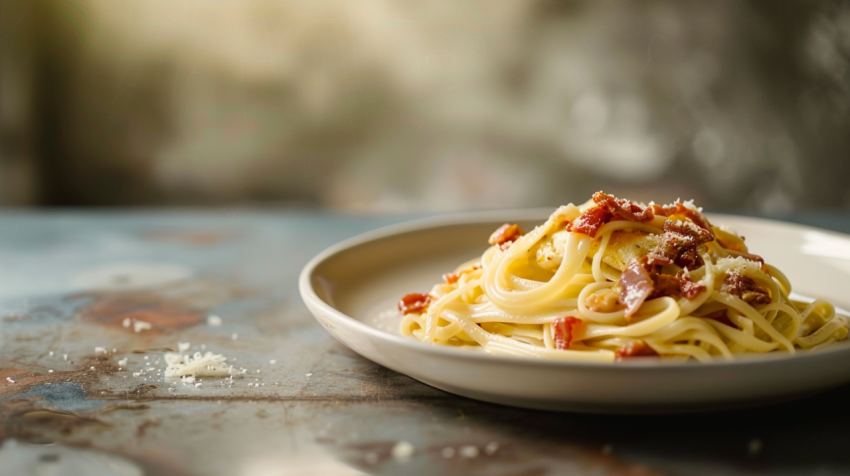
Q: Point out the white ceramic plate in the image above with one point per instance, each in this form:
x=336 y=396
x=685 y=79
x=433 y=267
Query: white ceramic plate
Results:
x=350 y=286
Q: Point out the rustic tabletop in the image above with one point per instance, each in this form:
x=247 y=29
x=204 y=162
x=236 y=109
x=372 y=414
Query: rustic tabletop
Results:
x=90 y=303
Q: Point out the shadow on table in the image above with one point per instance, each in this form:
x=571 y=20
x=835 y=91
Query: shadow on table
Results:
x=454 y=435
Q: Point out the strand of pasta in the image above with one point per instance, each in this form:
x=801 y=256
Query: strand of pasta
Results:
x=498 y=344
x=498 y=290
x=754 y=316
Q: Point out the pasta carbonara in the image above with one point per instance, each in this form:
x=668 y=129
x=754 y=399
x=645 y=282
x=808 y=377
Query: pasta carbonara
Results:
x=612 y=280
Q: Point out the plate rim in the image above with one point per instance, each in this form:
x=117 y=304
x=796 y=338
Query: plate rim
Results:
x=309 y=295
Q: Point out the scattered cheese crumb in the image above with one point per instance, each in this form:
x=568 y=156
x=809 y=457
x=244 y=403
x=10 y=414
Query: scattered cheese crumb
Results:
x=468 y=451
x=206 y=365
x=213 y=320
x=91 y=368
x=272 y=362
x=139 y=326
x=491 y=448
x=403 y=450
x=448 y=452
x=9 y=379
x=234 y=336
x=127 y=322
x=123 y=362
x=183 y=346
x=309 y=374
x=50 y=371
x=197 y=384
x=51 y=353
x=754 y=447
x=98 y=350
x=188 y=379
x=65 y=356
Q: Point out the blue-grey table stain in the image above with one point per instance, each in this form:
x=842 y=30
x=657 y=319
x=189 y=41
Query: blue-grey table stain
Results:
x=304 y=404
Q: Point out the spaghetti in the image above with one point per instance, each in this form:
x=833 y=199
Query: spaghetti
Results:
x=612 y=280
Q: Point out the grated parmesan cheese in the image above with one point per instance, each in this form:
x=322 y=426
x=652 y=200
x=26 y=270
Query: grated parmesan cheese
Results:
x=98 y=350
x=123 y=362
x=9 y=379
x=214 y=321
x=183 y=346
x=206 y=365
x=127 y=322
x=139 y=326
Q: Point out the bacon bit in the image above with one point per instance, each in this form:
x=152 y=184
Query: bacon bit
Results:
x=665 y=285
x=680 y=241
x=590 y=221
x=624 y=208
x=657 y=260
x=414 y=302
x=689 y=288
x=658 y=210
x=564 y=330
x=452 y=278
x=641 y=281
x=721 y=317
x=745 y=288
x=635 y=349
x=609 y=208
x=635 y=287
x=679 y=208
x=505 y=235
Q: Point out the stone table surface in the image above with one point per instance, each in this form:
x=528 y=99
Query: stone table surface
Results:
x=82 y=390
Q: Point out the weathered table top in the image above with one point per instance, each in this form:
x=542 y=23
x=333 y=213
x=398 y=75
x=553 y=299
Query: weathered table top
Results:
x=73 y=287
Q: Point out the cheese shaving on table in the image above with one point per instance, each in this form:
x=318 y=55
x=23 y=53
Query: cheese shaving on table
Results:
x=206 y=365
x=139 y=326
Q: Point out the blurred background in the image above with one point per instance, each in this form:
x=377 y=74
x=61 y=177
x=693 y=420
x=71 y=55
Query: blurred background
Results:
x=424 y=105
